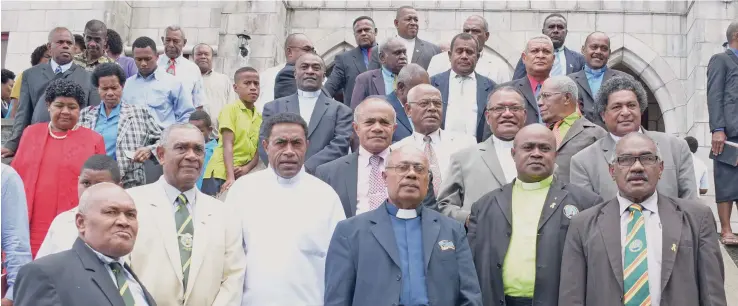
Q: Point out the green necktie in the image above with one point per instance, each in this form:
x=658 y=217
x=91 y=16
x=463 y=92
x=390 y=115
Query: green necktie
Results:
x=635 y=274
x=185 y=232
x=122 y=280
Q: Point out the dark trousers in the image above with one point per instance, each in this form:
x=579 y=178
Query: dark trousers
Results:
x=211 y=186
x=518 y=301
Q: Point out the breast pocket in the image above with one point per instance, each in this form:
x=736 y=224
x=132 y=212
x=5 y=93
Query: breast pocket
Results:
x=158 y=99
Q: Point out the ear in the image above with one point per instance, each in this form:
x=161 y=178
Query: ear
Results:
x=523 y=57
x=163 y=40
x=184 y=41
x=584 y=47
x=356 y=127
x=79 y=221
x=265 y=144
x=611 y=167
x=234 y=87
x=397 y=23
x=160 y=153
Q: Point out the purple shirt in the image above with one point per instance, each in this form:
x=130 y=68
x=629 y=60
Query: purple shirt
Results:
x=128 y=64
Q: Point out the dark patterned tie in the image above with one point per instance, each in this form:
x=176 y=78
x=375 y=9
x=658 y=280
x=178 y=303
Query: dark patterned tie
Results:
x=185 y=232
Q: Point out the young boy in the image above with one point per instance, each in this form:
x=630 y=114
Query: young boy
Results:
x=239 y=124
x=201 y=120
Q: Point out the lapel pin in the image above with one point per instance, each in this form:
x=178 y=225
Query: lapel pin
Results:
x=673 y=247
x=553 y=205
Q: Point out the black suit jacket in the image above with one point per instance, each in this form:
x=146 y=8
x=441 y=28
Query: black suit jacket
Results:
x=484 y=87
x=284 y=82
x=490 y=229
x=73 y=277
x=722 y=92
x=404 y=127
x=587 y=97
x=347 y=66
x=574 y=62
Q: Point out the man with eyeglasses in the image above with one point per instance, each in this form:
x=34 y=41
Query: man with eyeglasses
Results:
x=517 y=232
x=573 y=132
x=486 y=166
x=425 y=108
x=96 y=42
x=295 y=46
x=642 y=247
x=401 y=253
x=621 y=101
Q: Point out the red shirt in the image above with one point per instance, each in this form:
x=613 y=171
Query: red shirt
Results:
x=534 y=83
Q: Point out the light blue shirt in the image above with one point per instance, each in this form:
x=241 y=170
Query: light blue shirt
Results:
x=107 y=126
x=559 y=65
x=15 y=236
x=389 y=81
x=735 y=51
x=409 y=237
x=189 y=74
x=163 y=94
x=594 y=78
x=209 y=149
x=64 y=67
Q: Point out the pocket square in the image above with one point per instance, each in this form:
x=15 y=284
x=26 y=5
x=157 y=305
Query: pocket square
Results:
x=446 y=245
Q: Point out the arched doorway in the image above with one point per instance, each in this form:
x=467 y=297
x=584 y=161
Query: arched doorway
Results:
x=653 y=118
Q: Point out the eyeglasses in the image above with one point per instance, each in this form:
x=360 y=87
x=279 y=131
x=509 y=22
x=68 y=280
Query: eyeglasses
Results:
x=426 y=103
x=405 y=168
x=502 y=108
x=629 y=160
x=547 y=95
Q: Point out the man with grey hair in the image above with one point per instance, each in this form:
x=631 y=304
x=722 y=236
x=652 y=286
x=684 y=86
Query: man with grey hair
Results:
x=559 y=111
x=538 y=58
x=567 y=61
x=184 y=70
x=488 y=66
x=96 y=37
x=218 y=86
x=621 y=101
x=722 y=105
x=382 y=81
x=187 y=267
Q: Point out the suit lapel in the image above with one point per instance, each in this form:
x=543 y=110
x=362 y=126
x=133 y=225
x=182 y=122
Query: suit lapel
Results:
x=320 y=108
x=378 y=80
x=524 y=87
x=581 y=79
x=99 y=274
x=358 y=59
x=554 y=200
x=166 y=226
x=608 y=147
x=609 y=223
x=419 y=47
x=200 y=240
x=442 y=82
x=483 y=89
x=400 y=111
x=504 y=200
x=48 y=72
x=671 y=222
x=489 y=156
x=732 y=56
x=147 y=295
x=383 y=232
x=569 y=61
x=293 y=104
x=431 y=229
x=575 y=129
x=352 y=169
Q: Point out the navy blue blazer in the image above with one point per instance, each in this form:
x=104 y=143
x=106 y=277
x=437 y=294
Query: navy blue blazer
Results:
x=363 y=263
x=574 y=62
x=484 y=87
x=404 y=127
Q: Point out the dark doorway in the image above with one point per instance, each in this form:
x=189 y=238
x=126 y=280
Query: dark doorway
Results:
x=652 y=119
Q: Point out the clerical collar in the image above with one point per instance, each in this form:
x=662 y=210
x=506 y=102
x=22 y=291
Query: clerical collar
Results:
x=505 y=144
x=288 y=181
x=535 y=185
x=403 y=213
x=617 y=138
x=308 y=94
x=595 y=72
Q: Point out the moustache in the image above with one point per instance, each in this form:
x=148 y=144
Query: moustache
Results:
x=637 y=176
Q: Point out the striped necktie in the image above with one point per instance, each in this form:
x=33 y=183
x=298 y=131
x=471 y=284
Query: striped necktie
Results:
x=58 y=70
x=537 y=95
x=377 y=187
x=635 y=273
x=435 y=170
x=171 y=69
x=185 y=232
x=122 y=282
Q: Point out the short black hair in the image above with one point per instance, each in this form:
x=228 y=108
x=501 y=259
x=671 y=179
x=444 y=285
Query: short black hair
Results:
x=283 y=118
x=143 y=42
x=692 y=143
x=731 y=31
x=102 y=162
x=242 y=70
x=115 y=42
x=7 y=75
x=618 y=83
x=38 y=54
x=464 y=36
x=108 y=69
x=79 y=41
x=95 y=25
x=360 y=18
x=554 y=15
x=201 y=115
x=65 y=88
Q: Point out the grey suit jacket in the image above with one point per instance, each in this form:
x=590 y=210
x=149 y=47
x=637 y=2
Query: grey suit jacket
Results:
x=490 y=229
x=590 y=167
x=587 y=97
x=362 y=267
x=472 y=173
x=691 y=265
x=581 y=135
x=367 y=84
x=329 y=129
x=32 y=101
x=342 y=174
x=484 y=87
x=72 y=277
x=531 y=104
x=424 y=52
x=347 y=66
x=722 y=92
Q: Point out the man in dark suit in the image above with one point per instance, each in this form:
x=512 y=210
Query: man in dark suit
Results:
x=463 y=91
x=538 y=58
x=93 y=272
x=429 y=263
x=418 y=51
x=410 y=76
x=567 y=61
x=295 y=46
x=573 y=132
x=353 y=181
x=392 y=56
x=642 y=247
x=31 y=105
x=517 y=232
x=329 y=121
x=348 y=65
x=596 y=52
x=722 y=105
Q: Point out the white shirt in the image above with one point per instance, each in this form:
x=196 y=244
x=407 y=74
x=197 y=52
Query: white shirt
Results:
x=61 y=234
x=653 y=240
x=287 y=227
x=560 y=58
x=410 y=46
x=307 y=101
x=504 y=155
x=488 y=66
x=700 y=173
x=461 y=114
x=362 y=180
x=617 y=138
x=266 y=85
x=219 y=92
x=173 y=193
x=189 y=74
x=64 y=67
x=133 y=286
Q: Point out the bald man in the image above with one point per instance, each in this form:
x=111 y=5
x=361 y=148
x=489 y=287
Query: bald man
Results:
x=295 y=46
x=517 y=232
x=383 y=81
x=107 y=224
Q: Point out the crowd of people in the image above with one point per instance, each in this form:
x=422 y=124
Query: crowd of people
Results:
x=408 y=176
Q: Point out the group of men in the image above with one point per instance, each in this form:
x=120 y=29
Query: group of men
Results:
x=370 y=201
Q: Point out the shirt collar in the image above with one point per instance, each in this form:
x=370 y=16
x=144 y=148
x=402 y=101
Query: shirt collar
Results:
x=65 y=67
x=106 y=259
x=454 y=75
x=533 y=82
x=595 y=72
x=403 y=213
x=573 y=117
x=288 y=181
x=545 y=183
x=435 y=136
x=115 y=111
x=503 y=144
x=173 y=193
x=177 y=60
x=387 y=74
x=308 y=94
x=154 y=75
x=208 y=73
x=560 y=49
x=650 y=204
x=409 y=41
x=617 y=138
x=364 y=156
x=735 y=51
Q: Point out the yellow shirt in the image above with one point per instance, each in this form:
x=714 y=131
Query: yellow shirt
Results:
x=519 y=267
x=15 y=93
x=245 y=124
x=566 y=124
